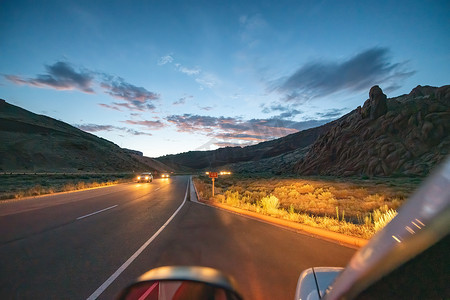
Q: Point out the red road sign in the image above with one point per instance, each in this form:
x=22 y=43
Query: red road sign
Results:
x=213 y=175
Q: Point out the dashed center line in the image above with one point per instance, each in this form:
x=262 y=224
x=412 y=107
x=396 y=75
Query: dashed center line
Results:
x=94 y=213
x=125 y=265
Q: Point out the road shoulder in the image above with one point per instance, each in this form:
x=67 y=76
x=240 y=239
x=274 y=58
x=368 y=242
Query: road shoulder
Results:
x=340 y=238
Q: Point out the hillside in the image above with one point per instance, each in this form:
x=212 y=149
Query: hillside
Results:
x=35 y=143
x=402 y=136
x=250 y=155
x=406 y=135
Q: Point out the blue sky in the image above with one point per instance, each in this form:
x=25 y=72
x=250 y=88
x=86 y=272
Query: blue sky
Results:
x=166 y=77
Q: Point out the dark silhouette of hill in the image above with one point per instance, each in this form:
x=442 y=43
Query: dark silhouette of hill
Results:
x=35 y=143
x=198 y=160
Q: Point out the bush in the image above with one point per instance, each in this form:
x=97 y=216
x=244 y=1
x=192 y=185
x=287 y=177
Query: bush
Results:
x=306 y=189
x=269 y=204
x=384 y=219
x=232 y=199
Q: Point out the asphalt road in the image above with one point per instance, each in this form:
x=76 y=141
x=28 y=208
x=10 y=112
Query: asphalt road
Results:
x=67 y=246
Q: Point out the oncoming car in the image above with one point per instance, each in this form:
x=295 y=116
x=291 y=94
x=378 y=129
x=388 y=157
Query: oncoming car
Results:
x=145 y=177
x=165 y=175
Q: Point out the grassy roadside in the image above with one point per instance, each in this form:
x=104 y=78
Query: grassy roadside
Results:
x=355 y=207
x=16 y=186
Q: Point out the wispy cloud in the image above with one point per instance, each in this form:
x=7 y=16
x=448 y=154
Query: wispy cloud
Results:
x=332 y=113
x=237 y=130
x=207 y=80
x=152 y=125
x=285 y=111
x=182 y=100
x=137 y=98
x=252 y=28
x=114 y=107
x=165 y=60
x=204 y=79
x=61 y=76
x=360 y=72
x=96 y=128
x=189 y=71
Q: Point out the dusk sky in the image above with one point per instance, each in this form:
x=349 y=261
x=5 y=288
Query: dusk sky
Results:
x=165 y=77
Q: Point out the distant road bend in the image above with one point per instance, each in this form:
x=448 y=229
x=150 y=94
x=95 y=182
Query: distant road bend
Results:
x=91 y=244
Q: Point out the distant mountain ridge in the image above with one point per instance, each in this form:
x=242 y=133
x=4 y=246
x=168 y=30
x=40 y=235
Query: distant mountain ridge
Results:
x=197 y=160
x=402 y=136
x=35 y=143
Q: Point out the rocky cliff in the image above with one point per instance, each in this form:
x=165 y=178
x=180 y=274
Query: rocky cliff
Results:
x=406 y=135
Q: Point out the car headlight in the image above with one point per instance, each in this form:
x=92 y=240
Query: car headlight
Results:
x=139 y=177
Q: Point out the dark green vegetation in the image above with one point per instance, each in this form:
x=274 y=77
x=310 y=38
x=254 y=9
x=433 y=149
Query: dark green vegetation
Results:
x=24 y=185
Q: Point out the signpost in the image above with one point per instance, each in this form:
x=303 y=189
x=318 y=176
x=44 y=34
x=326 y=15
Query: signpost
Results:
x=213 y=176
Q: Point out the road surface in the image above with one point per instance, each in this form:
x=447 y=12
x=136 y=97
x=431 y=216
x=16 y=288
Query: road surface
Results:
x=74 y=245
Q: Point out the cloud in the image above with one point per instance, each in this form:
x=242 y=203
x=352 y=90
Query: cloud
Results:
x=96 y=128
x=137 y=98
x=168 y=59
x=182 y=100
x=333 y=113
x=236 y=129
x=165 y=60
x=286 y=111
x=61 y=76
x=360 y=72
x=207 y=80
x=206 y=108
x=252 y=29
x=114 y=107
x=203 y=78
x=152 y=125
x=189 y=71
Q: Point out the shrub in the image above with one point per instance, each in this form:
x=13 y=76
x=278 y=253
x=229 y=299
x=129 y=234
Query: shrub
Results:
x=232 y=198
x=305 y=189
x=384 y=219
x=220 y=198
x=269 y=204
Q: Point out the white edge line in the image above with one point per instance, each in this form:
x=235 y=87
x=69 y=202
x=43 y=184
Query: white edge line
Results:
x=125 y=265
x=99 y=211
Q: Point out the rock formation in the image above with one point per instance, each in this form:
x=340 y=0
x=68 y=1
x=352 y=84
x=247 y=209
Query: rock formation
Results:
x=406 y=135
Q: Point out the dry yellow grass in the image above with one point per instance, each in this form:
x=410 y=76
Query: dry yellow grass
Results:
x=353 y=208
x=16 y=186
